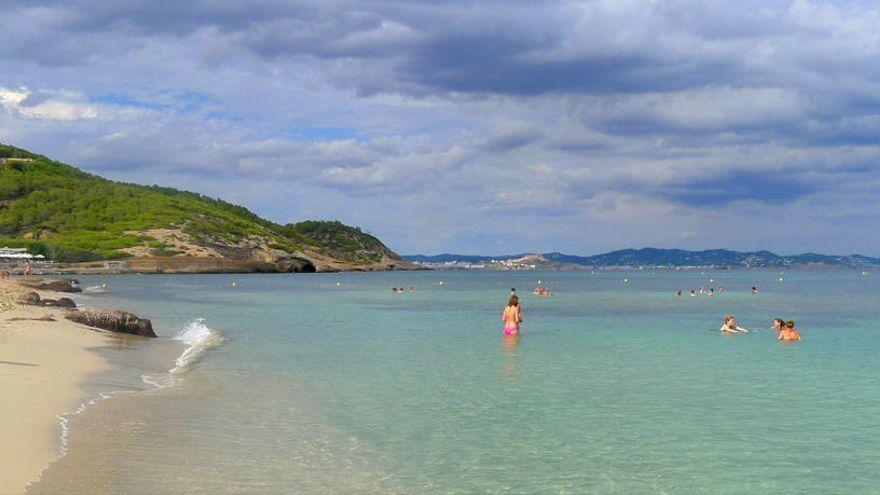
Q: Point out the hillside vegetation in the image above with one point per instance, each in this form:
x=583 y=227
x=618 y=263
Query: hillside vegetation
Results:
x=69 y=215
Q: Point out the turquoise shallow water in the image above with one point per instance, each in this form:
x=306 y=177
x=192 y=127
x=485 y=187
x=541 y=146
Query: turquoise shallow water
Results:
x=613 y=388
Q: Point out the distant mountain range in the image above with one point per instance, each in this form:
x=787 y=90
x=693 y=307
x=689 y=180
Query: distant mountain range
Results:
x=667 y=257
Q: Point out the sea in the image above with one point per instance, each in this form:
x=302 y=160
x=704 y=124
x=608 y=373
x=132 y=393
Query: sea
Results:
x=334 y=383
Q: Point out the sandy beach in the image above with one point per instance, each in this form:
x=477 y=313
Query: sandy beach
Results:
x=43 y=364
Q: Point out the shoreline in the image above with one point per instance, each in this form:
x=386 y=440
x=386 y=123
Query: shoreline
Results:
x=206 y=265
x=46 y=362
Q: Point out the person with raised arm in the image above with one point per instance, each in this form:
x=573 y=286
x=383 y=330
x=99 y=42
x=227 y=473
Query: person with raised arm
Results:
x=730 y=326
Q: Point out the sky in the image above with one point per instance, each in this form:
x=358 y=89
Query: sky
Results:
x=478 y=127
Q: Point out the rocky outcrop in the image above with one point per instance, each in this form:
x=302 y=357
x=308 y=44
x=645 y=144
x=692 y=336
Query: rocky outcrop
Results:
x=31 y=298
x=293 y=264
x=114 y=321
x=64 y=302
x=56 y=285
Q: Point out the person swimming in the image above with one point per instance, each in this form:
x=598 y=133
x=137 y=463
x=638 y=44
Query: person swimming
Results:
x=512 y=316
x=730 y=326
x=778 y=324
x=789 y=334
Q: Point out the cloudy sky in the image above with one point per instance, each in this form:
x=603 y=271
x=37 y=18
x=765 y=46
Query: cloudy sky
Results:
x=483 y=127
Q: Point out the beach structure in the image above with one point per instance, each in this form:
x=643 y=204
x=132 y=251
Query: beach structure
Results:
x=17 y=260
x=117 y=266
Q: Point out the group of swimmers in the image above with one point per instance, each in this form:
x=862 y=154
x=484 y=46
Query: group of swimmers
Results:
x=711 y=291
x=785 y=329
x=400 y=290
x=512 y=317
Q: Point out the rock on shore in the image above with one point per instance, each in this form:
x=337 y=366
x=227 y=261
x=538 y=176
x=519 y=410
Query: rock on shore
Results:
x=33 y=299
x=63 y=302
x=56 y=285
x=114 y=321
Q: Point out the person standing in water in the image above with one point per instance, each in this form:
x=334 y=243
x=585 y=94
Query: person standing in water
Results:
x=512 y=316
x=788 y=333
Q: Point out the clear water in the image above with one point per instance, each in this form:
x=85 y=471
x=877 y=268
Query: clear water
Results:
x=613 y=387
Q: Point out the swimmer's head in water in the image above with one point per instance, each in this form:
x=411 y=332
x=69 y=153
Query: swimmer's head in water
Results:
x=789 y=324
x=778 y=322
x=513 y=301
x=728 y=319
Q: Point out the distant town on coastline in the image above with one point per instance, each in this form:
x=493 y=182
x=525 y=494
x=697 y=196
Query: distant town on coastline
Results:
x=646 y=257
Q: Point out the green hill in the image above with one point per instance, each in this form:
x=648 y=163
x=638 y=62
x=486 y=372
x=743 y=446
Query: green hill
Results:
x=72 y=216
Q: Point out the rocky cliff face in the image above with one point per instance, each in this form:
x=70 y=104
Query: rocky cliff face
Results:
x=251 y=254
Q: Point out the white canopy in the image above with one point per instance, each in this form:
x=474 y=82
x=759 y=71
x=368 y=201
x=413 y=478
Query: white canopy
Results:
x=18 y=256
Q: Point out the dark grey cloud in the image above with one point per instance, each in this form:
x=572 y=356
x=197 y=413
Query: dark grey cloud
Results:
x=512 y=137
x=744 y=186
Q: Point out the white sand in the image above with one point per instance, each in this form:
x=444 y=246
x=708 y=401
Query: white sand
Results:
x=42 y=367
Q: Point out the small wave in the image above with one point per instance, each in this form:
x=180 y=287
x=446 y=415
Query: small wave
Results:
x=96 y=289
x=196 y=335
x=198 y=338
x=65 y=421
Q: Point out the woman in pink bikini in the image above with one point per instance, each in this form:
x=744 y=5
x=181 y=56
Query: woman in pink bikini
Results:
x=512 y=316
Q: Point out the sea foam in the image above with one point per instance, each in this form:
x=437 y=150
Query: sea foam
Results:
x=198 y=338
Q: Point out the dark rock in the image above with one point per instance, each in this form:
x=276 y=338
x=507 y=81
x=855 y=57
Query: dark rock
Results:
x=31 y=298
x=64 y=302
x=115 y=321
x=57 y=285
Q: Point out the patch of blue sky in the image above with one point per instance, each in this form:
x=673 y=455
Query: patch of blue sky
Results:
x=180 y=102
x=127 y=101
x=323 y=134
x=190 y=101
